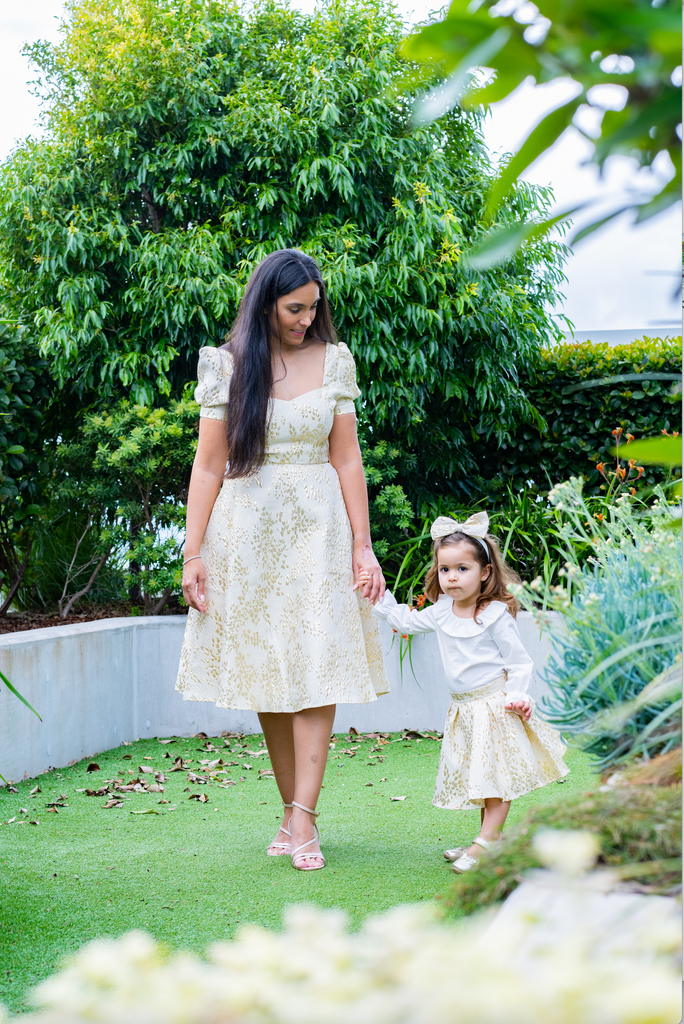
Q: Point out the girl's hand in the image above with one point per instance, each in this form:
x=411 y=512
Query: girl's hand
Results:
x=520 y=707
x=367 y=573
x=194 y=578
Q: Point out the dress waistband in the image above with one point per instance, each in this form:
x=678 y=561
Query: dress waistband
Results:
x=296 y=453
x=488 y=690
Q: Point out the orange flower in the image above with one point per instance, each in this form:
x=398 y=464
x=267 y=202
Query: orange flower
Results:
x=641 y=471
x=617 y=433
x=601 y=466
x=633 y=490
x=632 y=463
x=420 y=601
x=404 y=636
x=630 y=437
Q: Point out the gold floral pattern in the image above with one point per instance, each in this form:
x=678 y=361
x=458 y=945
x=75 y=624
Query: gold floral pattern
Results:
x=284 y=629
x=490 y=752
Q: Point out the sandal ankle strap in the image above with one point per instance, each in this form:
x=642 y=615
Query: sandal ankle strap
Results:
x=484 y=843
x=286 y=805
x=303 y=808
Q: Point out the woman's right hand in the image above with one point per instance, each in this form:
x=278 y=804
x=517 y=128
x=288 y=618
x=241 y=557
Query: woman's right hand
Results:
x=194 y=578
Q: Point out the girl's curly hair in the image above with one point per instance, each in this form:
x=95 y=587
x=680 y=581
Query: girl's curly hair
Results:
x=494 y=588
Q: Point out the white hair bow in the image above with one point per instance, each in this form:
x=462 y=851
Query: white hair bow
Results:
x=475 y=526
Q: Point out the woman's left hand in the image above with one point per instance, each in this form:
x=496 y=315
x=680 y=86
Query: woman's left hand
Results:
x=367 y=573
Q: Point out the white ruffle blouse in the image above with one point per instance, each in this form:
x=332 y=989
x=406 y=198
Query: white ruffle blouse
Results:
x=474 y=655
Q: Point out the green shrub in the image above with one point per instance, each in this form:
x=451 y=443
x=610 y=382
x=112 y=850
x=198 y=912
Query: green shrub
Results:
x=580 y=414
x=634 y=826
x=118 y=507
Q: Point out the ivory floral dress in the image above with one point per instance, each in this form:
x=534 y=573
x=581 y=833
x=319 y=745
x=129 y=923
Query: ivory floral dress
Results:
x=486 y=751
x=284 y=630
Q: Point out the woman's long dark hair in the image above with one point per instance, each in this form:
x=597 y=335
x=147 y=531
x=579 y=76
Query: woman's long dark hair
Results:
x=249 y=343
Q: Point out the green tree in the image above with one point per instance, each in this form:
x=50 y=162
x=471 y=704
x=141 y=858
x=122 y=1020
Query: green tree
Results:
x=23 y=467
x=185 y=141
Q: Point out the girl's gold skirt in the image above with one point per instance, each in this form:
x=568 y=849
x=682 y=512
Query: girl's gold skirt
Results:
x=490 y=752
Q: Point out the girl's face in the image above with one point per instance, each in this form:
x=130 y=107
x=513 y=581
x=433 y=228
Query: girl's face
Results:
x=459 y=572
x=294 y=313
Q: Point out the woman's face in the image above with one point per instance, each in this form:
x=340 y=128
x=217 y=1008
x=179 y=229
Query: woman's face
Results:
x=294 y=313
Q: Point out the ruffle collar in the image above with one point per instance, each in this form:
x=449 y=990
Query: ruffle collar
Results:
x=451 y=624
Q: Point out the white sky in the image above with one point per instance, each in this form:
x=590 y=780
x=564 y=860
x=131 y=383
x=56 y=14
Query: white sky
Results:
x=623 y=276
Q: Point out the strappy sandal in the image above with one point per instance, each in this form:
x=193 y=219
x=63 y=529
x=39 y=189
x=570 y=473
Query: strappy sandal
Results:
x=455 y=853
x=298 y=856
x=466 y=862
x=280 y=849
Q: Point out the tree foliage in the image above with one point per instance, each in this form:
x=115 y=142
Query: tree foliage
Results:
x=634 y=44
x=23 y=466
x=184 y=142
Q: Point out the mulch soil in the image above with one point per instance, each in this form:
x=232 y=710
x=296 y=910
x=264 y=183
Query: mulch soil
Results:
x=17 y=622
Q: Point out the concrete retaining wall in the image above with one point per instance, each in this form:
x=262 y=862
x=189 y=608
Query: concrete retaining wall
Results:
x=100 y=683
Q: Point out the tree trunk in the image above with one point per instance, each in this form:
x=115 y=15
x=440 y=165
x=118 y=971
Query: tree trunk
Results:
x=13 y=569
x=66 y=606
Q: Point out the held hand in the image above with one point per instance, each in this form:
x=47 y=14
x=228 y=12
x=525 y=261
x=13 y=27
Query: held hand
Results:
x=368 y=574
x=194 y=578
x=520 y=707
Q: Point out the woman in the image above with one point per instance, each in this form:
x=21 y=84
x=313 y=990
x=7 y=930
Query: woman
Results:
x=278 y=535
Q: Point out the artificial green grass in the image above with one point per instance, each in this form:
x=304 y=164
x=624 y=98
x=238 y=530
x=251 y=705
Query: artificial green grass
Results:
x=195 y=874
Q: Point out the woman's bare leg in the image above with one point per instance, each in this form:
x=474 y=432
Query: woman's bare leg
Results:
x=279 y=737
x=311 y=729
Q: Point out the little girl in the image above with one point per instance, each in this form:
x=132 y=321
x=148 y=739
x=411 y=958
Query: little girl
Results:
x=495 y=748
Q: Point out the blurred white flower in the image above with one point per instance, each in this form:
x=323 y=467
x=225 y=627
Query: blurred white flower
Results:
x=403 y=967
x=568 y=852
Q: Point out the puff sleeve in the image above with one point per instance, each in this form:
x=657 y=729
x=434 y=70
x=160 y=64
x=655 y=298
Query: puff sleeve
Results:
x=346 y=388
x=213 y=381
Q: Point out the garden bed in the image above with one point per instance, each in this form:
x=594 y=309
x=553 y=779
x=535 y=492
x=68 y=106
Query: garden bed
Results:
x=18 y=622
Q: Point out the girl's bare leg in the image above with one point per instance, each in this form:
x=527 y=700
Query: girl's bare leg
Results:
x=279 y=737
x=493 y=818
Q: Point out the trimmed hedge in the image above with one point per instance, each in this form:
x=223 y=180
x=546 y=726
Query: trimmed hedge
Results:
x=574 y=389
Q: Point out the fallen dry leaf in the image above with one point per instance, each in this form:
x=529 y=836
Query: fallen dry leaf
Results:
x=369 y=783
x=23 y=810
x=127 y=757
x=36 y=789
x=148 y=810
x=127 y=744
x=226 y=784
x=36 y=822
x=155 y=788
x=163 y=801
x=266 y=772
x=383 y=780
x=93 y=767
x=146 y=768
x=203 y=798
x=112 y=803
x=12 y=789
x=166 y=741
x=97 y=792
x=11 y=820
x=397 y=798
